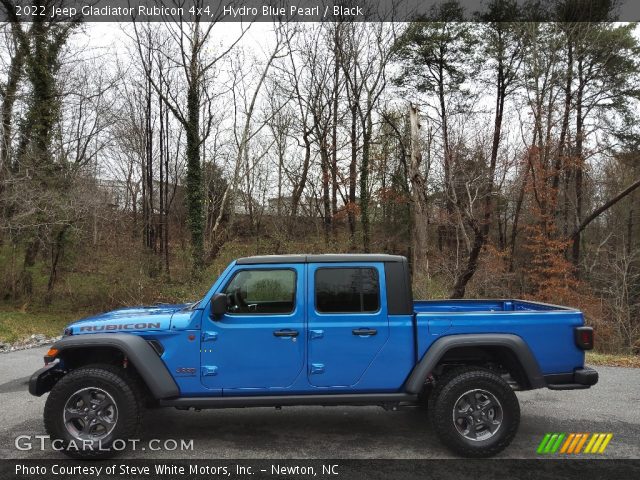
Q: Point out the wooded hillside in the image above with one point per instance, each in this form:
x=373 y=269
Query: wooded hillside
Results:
x=502 y=157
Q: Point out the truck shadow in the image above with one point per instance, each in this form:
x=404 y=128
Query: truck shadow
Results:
x=299 y=432
x=349 y=432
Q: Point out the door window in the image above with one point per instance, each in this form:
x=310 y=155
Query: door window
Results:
x=262 y=292
x=347 y=290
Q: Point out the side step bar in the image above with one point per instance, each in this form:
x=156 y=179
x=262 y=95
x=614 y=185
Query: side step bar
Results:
x=290 y=400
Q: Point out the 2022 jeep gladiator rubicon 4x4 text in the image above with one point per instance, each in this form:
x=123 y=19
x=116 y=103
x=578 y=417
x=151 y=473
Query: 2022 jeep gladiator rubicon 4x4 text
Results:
x=313 y=330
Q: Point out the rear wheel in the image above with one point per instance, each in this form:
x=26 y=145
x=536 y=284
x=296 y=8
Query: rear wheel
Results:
x=91 y=408
x=474 y=412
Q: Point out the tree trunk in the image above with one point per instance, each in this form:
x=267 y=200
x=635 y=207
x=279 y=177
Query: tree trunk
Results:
x=364 y=182
x=579 y=166
x=445 y=143
x=194 y=190
x=299 y=188
x=161 y=186
x=516 y=216
x=326 y=202
x=420 y=243
x=334 y=138
x=147 y=177
x=351 y=214
x=167 y=203
x=56 y=252
x=564 y=129
x=281 y=154
x=25 y=282
x=8 y=101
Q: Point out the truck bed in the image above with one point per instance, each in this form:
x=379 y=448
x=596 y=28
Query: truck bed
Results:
x=547 y=329
x=459 y=306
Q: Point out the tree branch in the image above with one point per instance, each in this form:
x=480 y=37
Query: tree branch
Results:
x=610 y=203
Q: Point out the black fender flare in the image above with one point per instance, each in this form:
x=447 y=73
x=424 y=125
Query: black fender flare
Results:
x=140 y=354
x=436 y=351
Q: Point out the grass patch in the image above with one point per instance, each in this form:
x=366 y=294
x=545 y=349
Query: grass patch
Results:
x=610 y=360
x=16 y=325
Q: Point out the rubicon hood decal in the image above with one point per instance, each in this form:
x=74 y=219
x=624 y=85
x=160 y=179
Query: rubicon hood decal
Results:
x=121 y=326
x=128 y=319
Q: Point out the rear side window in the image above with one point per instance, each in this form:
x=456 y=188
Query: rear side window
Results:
x=347 y=290
x=262 y=291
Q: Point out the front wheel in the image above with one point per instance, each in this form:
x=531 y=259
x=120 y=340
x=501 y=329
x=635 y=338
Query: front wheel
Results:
x=474 y=412
x=91 y=408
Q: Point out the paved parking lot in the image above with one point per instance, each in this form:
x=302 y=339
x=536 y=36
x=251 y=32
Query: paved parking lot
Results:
x=337 y=432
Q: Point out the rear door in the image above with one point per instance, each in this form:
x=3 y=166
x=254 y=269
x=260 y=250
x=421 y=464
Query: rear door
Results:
x=348 y=322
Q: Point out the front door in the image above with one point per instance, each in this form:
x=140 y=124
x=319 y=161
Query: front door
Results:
x=348 y=323
x=259 y=342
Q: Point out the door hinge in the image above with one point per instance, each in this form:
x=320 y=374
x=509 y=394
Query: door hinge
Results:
x=317 y=368
x=209 y=336
x=209 y=370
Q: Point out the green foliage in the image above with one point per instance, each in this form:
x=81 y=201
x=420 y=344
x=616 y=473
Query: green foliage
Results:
x=608 y=58
x=44 y=44
x=584 y=10
x=436 y=51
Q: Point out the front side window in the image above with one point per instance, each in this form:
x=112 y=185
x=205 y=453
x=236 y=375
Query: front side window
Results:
x=347 y=290
x=262 y=291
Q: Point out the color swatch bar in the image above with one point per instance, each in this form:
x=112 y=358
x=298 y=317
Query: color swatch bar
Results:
x=573 y=443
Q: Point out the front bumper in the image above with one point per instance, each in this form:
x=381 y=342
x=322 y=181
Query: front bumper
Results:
x=580 y=378
x=44 y=379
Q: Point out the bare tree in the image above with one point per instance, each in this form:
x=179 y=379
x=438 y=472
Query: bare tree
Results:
x=192 y=39
x=244 y=130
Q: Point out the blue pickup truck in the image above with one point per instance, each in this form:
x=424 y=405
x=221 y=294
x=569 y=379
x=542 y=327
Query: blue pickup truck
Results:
x=313 y=330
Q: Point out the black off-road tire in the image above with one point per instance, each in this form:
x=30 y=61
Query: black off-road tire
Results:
x=447 y=392
x=120 y=385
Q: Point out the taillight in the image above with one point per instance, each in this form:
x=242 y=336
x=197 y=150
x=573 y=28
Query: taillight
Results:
x=584 y=337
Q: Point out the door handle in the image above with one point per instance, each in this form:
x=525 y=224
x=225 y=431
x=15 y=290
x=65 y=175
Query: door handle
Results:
x=316 y=368
x=365 y=332
x=209 y=336
x=208 y=370
x=286 y=333
x=316 y=334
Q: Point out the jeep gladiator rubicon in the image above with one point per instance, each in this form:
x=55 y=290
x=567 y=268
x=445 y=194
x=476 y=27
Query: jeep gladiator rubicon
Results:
x=313 y=330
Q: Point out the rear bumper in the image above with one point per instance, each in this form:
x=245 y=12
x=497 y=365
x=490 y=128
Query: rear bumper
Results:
x=578 y=379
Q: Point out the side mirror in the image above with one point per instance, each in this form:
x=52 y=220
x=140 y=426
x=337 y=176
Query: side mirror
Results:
x=219 y=304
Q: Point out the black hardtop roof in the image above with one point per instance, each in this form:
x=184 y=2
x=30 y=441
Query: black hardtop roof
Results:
x=323 y=258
